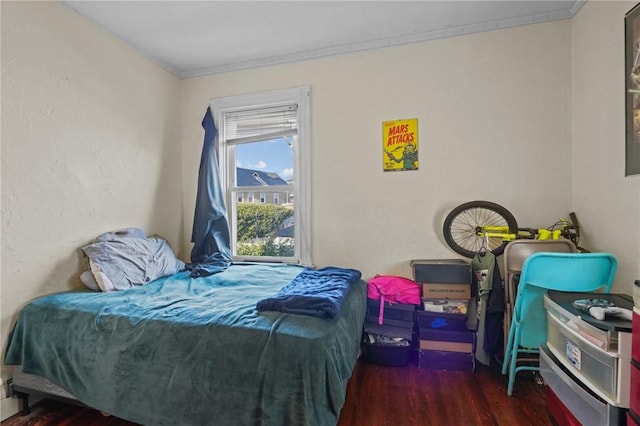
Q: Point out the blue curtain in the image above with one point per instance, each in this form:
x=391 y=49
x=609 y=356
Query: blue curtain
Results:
x=210 y=235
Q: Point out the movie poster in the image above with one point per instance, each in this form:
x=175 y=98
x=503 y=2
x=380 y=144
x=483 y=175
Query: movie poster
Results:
x=400 y=145
x=632 y=65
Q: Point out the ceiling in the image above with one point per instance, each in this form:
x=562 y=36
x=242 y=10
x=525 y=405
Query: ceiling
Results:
x=194 y=38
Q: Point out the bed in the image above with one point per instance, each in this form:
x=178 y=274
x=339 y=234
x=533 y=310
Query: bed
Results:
x=184 y=351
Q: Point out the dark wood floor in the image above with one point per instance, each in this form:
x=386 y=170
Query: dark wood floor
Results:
x=379 y=396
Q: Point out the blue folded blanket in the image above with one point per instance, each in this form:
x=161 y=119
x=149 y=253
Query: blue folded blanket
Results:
x=315 y=292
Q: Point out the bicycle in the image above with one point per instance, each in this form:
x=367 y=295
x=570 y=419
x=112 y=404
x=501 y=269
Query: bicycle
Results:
x=480 y=225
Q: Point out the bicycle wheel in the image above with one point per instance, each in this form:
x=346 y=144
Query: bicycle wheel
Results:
x=462 y=224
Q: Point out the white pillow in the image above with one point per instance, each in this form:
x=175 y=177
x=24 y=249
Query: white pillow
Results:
x=128 y=262
x=89 y=280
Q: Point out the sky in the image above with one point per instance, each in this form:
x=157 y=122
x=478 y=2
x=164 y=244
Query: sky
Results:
x=267 y=156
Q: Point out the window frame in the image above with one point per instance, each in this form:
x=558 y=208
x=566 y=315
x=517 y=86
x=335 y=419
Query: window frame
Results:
x=302 y=165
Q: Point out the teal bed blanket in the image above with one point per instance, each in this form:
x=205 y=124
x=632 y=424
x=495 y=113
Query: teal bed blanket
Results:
x=183 y=351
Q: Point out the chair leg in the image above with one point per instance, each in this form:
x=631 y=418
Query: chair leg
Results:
x=509 y=349
x=513 y=360
x=512 y=375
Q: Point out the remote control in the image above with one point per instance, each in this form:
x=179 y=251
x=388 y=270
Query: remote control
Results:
x=599 y=313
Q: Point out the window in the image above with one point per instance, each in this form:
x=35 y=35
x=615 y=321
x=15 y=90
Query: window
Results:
x=264 y=152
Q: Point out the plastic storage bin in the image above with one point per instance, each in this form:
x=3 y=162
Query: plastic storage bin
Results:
x=558 y=412
x=598 y=367
x=453 y=271
x=586 y=406
x=604 y=369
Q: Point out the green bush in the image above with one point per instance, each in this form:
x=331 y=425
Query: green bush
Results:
x=265 y=248
x=257 y=226
x=259 y=221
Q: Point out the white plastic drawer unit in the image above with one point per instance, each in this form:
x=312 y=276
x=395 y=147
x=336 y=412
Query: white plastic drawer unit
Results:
x=600 y=359
x=587 y=407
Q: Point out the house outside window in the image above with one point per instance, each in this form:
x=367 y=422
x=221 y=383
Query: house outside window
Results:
x=264 y=150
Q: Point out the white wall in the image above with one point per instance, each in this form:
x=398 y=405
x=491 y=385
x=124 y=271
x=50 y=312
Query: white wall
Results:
x=90 y=143
x=608 y=202
x=494 y=112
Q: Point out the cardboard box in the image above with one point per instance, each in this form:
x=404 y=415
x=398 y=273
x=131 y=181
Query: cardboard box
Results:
x=445 y=340
x=446 y=291
x=427 y=333
x=435 y=345
x=393 y=356
x=451 y=271
x=441 y=321
x=445 y=360
x=449 y=306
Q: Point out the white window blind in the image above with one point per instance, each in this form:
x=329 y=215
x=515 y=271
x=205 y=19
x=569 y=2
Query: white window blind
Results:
x=261 y=124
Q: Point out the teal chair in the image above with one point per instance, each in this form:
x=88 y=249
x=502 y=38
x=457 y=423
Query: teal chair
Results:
x=542 y=271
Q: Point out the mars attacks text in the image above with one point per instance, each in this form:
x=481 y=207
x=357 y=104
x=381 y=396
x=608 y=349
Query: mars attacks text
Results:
x=399 y=134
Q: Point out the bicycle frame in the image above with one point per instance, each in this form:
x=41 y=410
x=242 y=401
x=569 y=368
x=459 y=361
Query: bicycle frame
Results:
x=501 y=232
x=545 y=234
x=524 y=233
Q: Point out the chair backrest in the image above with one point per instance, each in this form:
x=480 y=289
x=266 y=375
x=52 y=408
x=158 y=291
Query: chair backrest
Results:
x=576 y=272
x=517 y=251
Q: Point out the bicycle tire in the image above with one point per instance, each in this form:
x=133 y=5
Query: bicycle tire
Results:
x=461 y=224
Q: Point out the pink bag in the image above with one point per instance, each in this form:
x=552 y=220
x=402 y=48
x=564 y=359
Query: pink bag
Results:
x=392 y=289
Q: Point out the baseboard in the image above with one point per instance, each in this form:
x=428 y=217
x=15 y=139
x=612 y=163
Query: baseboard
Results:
x=9 y=407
